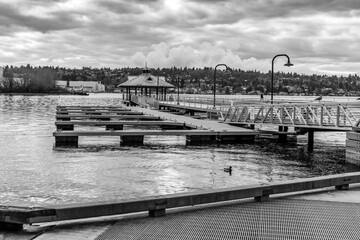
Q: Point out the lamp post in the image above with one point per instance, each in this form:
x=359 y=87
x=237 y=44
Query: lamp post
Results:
x=288 y=64
x=214 y=88
x=178 y=86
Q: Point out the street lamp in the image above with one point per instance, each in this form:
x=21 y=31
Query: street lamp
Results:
x=214 y=88
x=288 y=64
x=178 y=86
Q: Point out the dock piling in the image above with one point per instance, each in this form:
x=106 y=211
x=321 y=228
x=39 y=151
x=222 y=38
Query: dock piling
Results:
x=136 y=140
x=66 y=141
x=310 y=140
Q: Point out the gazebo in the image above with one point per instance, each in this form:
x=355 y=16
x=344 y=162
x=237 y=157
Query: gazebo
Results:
x=146 y=85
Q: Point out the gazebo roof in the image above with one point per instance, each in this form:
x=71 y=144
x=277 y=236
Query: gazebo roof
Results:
x=146 y=80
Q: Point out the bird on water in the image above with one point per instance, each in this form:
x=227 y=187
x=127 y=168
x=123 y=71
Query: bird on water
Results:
x=228 y=169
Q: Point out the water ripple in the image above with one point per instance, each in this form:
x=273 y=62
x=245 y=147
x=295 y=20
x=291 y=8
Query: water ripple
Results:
x=33 y=172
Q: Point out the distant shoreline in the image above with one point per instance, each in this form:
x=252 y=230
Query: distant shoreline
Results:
x=35 y=94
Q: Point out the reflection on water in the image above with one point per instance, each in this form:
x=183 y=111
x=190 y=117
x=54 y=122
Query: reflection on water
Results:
x=34 y=173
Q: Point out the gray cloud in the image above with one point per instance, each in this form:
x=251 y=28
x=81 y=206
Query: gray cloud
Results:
x=9 y=16
x=247 y=33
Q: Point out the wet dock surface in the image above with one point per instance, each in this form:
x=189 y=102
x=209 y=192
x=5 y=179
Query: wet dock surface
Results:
x=324 y=214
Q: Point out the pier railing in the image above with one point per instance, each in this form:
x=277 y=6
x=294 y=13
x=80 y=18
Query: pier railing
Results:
x=321 y=115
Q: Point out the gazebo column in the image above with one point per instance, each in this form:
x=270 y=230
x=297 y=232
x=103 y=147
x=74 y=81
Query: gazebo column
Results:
x=135 y=90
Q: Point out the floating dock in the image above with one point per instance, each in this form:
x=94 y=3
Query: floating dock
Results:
x=197 y=131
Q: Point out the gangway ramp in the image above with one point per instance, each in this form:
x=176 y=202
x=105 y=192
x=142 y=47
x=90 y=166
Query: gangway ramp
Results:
x=319 y=116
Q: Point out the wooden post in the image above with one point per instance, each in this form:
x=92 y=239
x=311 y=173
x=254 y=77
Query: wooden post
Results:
x=310 y=140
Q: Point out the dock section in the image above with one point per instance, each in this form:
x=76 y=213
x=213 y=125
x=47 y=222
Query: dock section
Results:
x=282 y=217
x=196 y=131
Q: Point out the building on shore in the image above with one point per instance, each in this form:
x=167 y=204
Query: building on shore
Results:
x=86 y=86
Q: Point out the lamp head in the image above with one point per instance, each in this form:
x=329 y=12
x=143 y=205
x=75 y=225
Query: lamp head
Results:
x=288 y=64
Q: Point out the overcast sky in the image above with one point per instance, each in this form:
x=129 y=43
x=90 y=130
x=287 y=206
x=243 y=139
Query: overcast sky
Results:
x=320 y=36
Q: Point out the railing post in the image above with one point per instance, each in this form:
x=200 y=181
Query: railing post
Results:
x=307 y=115
x=294 y=114
x=321 y=115
x=337 y=115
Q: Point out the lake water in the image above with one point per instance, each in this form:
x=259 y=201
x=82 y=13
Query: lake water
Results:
x=34 y=173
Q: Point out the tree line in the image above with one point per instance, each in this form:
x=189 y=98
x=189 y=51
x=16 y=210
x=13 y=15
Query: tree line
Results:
x=41 y=79
x=28 y=79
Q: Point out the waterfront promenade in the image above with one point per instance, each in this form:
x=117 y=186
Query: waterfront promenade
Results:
x=315 y=214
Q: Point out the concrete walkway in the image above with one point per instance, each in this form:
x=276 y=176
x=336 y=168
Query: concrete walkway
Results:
x=325 y=214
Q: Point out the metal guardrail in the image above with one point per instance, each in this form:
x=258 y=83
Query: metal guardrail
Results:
x=156 y=206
